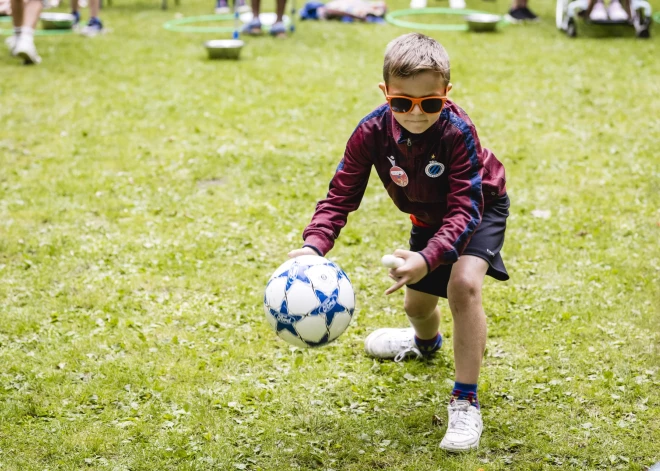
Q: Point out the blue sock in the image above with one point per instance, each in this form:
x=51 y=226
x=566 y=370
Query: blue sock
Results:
x=429 y=346
x=466 y=392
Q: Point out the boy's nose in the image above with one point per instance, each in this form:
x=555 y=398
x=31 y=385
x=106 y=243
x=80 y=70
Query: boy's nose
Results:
x=416 y=110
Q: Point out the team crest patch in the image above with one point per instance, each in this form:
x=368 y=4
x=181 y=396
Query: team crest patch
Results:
x=399 y=176
x=434 y=169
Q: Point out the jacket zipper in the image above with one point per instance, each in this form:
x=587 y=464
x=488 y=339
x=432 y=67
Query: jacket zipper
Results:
x=413 y=166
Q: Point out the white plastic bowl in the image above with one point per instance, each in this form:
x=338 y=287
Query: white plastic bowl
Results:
x=482 y=22
x=224 y=48
x=52 y=20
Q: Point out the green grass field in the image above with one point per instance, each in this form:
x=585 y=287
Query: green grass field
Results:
x=146 y=194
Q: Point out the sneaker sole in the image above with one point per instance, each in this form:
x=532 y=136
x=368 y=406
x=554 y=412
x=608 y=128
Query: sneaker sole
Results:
x=460 y=449
x=92 y=34
x=27 y=59
x=513 y=20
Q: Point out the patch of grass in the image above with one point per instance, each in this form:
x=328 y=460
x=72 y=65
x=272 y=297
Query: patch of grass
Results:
x=146 y=194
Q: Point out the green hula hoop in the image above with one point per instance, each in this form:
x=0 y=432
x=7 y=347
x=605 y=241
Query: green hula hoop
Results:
x=656 y=17
x=179 y=25
x=38 y=32
x=392 y=18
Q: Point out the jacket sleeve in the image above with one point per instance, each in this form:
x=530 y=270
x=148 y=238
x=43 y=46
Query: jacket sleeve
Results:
x=465 y=201
x=347 y=188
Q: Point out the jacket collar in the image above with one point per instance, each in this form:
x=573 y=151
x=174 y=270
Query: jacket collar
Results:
x=401 y=135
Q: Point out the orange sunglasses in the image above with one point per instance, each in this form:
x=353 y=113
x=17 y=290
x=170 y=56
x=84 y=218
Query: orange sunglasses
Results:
x=405 y=104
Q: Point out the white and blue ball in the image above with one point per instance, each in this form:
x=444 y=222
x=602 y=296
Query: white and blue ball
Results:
x=309 y=301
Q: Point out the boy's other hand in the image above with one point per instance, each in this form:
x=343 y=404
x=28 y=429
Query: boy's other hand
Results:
x=410 y=272
x=303 y=251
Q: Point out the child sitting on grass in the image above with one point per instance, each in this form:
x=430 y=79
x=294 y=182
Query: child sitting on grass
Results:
x=427 y=154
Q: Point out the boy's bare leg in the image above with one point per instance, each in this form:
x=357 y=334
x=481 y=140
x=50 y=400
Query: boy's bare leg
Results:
x=470 y=330
x=423 y=313
x=464 y=296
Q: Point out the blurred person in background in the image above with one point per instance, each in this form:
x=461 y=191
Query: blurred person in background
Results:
x=94 y=26
x=25 y=17
x=277 y=30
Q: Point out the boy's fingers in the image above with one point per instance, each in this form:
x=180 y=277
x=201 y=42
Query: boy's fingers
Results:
x=401 y=253
x=396 y=286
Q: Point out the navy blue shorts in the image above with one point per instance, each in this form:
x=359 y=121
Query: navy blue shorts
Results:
x=486 y=243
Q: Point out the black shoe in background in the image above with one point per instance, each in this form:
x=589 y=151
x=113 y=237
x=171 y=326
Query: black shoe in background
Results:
x=517 y=15
x=529 y=14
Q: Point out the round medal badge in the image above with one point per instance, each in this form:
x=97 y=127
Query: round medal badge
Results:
x=399 y=176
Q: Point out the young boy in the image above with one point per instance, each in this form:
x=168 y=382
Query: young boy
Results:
x=427 y=154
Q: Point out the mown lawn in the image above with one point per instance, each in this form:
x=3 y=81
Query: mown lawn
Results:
x=146 y=194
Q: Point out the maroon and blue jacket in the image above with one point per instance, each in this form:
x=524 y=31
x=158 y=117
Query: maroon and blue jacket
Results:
x=449 y=197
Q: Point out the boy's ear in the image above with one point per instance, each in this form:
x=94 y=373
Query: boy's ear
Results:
x=449 y=87
x=383 y=88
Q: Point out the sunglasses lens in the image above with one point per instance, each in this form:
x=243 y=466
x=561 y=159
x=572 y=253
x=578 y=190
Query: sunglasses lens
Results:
x=400 y=105
x=432 y=105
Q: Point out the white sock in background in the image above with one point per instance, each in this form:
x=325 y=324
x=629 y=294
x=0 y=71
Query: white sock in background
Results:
x=27 y=32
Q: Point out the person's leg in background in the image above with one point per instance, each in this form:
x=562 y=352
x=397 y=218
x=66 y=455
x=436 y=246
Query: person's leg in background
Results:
x=25 y=17
x=94 y=25
x=253 y=28
x=278 y=29
x=17 y=21
x=75 y=11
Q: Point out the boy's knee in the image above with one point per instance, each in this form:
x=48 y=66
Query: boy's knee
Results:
x=463 y=289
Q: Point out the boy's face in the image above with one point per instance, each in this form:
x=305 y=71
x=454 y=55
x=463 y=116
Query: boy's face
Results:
x=422 y=85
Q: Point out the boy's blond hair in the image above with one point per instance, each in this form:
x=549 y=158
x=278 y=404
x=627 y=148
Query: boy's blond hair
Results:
x=412 y=54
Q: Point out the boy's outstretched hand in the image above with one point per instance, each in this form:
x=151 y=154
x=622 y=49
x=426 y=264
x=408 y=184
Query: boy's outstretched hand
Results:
x=410 y=272
x=303 y=251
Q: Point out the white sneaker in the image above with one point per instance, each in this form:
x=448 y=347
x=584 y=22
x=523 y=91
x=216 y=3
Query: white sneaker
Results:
x=392 y=343
x=465 y=427
x=10 y=42
x=417 y=4
x=457 y=4
x=26 y=50
x=616 y=12
x=599 y=13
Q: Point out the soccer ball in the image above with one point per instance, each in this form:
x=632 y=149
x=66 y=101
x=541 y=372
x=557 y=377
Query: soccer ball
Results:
x=309 y=301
